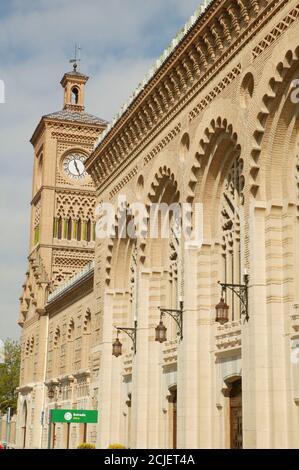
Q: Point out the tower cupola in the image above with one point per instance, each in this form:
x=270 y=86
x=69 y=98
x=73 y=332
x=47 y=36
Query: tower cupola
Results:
x=74 y=87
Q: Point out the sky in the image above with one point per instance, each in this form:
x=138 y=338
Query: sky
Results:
x=120 y=40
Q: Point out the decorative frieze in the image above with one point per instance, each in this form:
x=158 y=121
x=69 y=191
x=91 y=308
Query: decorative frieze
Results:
x=76 y=205
x=228 y=337
x=75 y=138
x=276 y=32
x=215 y=92
x=128 y=364
x=170 y=353
x=123 y=182
x=212 y=42
x=162 y=144
x=68 y=262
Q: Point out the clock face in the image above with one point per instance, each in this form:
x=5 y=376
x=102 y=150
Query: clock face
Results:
x=74 y=166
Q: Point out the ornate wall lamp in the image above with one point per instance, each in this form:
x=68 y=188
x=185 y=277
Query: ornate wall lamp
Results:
x=51 y=392
x=117 y=345
x=52 y=389
x=241 y=290
x=177 y=315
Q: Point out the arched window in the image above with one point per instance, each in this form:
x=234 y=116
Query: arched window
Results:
x=232 y=201
x=79 y=230
x=59 y=228
x=172 y=399
x=236 y=425
x=88 y=231
x=75 y=95
x=69 y=229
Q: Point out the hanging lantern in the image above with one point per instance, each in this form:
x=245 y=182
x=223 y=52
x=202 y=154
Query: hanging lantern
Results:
x=222 y=312
x=161 y=332
x=117 y=348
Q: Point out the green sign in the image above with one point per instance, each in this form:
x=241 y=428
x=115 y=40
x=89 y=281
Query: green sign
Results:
x=73 y=416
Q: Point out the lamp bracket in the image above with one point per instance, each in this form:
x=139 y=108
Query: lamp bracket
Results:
x=131 y=332
x=241 y=290
x=177 y=315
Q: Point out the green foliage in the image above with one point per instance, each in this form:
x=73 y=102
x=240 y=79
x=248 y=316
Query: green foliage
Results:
x=116 y=446
x=86 y=446
x=9 y=376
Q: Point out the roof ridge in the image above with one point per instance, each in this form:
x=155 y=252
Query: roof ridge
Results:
x=75 y=115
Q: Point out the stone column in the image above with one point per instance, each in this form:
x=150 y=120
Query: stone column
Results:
x=191 y=370
x=255 y=338
x=140 y=385
x=147 y=413
x=109 y=382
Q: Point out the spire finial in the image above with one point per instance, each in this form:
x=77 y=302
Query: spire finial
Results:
x=76 y=61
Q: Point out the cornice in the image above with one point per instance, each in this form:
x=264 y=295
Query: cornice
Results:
x=58 y=122
x=72 y=294
x=203 y=18
x=58 y=189
x=66 y=379
x=74 y=78
x=208 y=47
x=67 y=248
x=37 y=195
x=82 y=374
x=64 y=247
x=31 y=321
x=25 y=389
x=79 y=192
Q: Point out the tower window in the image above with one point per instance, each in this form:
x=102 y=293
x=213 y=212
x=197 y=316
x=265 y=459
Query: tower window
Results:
x=59 y=228
x=75 y=95
x=88 y=231
x=69 y=229
x=79 y=230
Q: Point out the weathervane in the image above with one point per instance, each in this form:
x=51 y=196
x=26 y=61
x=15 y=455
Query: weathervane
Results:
x=77 y=58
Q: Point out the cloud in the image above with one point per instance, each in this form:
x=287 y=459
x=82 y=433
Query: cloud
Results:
x=120 y=40
x=122 y=76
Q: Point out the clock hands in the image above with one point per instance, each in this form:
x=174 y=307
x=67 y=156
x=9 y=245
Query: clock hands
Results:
x=76 y=166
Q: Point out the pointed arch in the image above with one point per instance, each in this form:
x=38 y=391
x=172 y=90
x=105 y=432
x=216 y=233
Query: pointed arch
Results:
x=79 y=230
x=59 y=228
x=275 y=101
x=69 y=229
x=88 y=230
x=75 y=95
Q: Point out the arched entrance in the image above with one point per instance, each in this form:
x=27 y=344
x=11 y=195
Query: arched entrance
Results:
x=129 y=420
x=236 y=426
x=24 y=426
x=172 y=399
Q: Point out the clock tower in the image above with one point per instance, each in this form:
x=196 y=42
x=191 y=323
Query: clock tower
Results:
x=62 y=233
